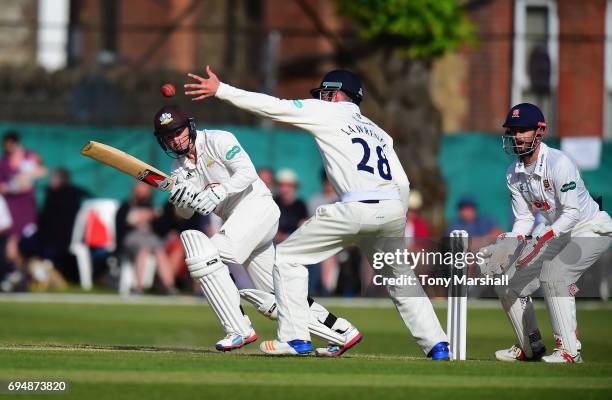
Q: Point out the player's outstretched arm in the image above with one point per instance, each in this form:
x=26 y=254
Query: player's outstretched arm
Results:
x=301 y=113
x=203 y=88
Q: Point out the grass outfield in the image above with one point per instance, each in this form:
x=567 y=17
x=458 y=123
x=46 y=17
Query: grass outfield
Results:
x=111 y=351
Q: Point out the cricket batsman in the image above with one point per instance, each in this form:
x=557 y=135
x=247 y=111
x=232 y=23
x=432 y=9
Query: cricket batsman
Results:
x=214 y=173
x=373 y=189
x=557 y=253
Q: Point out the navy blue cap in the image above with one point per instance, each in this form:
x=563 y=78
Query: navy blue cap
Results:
x=343 y=80
x=524 y=115
x=467 y=201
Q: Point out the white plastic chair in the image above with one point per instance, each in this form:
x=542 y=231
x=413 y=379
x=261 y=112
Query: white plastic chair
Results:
x=106 y=209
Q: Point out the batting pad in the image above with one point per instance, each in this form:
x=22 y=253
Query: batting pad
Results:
x=521 y=315
x=264 y=302
x=321 y=331
x=562 y=313
x=205 y=265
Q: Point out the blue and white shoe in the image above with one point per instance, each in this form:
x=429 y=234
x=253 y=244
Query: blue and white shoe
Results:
x=233 y=341
x=291 y=348
x=353 y=337
x=440 y=352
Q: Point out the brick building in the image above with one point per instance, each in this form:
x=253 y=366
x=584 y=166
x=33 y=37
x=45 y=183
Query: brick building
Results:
x=572 y=35
x=552 y=52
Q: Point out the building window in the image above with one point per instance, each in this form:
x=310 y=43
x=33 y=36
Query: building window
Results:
x=110 y=14
x=52 y=36
x=536 y=55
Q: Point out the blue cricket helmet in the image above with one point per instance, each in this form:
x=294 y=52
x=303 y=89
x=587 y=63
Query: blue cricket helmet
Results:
x=525 y=115
x=341 y=79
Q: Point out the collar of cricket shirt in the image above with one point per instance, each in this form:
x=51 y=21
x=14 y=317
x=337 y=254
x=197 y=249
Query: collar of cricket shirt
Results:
x=540 y=163
x=350 y=104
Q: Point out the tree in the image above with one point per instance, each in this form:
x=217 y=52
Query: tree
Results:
x=407 y=36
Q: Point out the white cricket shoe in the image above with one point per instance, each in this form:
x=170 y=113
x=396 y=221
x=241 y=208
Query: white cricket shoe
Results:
x=515 y=353
x=291 y=348
x=352 y=335
x=560 y=356
x=233 y=341
x=559 y=344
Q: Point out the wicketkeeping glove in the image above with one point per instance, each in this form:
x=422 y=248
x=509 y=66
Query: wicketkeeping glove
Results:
x=182 y=194
x=499 y=256
x=206 y=201
x=536 y=246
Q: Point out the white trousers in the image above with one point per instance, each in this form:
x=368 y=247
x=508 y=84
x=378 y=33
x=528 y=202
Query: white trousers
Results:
x=566 y=259
x=246 y=238
x=332 y=228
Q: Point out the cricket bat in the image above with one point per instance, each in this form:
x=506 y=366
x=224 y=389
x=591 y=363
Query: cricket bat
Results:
x=128 y=164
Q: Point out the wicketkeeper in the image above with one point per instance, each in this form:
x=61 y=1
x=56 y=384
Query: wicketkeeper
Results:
x=557 y=253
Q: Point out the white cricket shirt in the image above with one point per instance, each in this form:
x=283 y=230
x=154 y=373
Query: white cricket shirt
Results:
x=357 y=155
x=555 y=189
x=221 y=160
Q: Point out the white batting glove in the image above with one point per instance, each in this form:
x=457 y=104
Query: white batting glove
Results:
x=206 y=201
x=182 y=194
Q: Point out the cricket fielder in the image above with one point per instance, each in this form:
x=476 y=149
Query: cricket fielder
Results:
x=366 y=174
x=214 y=174
x=545 y=180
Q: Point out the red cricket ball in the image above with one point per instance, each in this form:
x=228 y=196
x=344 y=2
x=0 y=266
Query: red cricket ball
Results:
x=168 y=90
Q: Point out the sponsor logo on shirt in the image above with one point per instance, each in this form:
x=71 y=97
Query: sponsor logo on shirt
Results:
x=298 y=104
x=232 y=152
x=209 y=163
x=568 y=186
x=547 y=185
x=541 y=205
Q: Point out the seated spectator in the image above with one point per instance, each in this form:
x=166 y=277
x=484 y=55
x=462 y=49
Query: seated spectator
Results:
x=267 y=176
x=62 y=203
x=293 y=210
x=481 y=229
x=417 y=228
x=326 y=196
x=349 y=272
x=19 y=170
x=5 y=227
x=137 y=240
x=169 y=226
x=417 y=233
